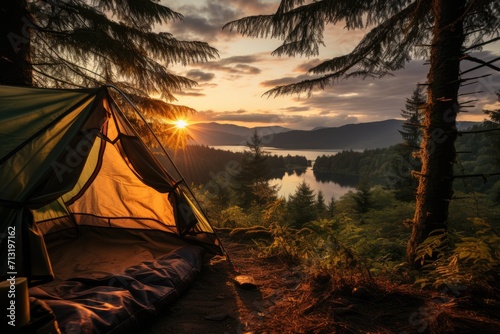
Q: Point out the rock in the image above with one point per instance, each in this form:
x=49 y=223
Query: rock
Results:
x=245 y=282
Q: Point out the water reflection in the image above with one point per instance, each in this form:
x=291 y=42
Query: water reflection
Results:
x=331 y=184
x=340 y=179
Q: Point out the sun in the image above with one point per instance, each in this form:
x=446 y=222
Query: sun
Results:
x=181 y=124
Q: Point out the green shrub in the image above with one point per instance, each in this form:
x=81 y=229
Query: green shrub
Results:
x=473 y=260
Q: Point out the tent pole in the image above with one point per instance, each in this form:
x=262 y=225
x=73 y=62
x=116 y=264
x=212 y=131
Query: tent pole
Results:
x=149 y=128
x=169 y=158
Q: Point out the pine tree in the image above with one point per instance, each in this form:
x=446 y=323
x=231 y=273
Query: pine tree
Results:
x=320 y=204
x=362 y=196
x=445 y=31
x=302 y=205
x=412 y=131
x=252 y=179
x=331 y=207
x=405 y=184
x=79 y=43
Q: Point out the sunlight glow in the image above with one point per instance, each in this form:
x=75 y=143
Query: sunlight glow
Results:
x=181 y=124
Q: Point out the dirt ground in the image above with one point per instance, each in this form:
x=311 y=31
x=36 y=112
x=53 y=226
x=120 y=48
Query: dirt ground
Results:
x=216 y=304
x=283 y=301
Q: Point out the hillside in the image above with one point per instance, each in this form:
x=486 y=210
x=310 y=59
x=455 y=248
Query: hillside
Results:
x=369 y=135
x=352 y=136
x=357 y=136
x=227 y=134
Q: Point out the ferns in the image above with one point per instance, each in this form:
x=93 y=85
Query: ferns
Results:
x=350 y=247
x=316 y=248
x=473 y=259
x=343 y=249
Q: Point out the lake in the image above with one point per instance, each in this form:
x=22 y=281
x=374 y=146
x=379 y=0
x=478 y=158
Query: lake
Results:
x=331 y=185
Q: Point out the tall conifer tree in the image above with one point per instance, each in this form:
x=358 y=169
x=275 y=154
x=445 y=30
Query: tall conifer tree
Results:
x=80 y=43
x=408 y=160
x=412 y=131
x=252 y=179
x=445 y=31
x=302 y=205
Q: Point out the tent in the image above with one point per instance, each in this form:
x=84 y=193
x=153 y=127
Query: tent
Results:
x=100 y=228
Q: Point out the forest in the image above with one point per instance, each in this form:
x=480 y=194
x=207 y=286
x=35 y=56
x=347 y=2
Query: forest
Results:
x=210 y=161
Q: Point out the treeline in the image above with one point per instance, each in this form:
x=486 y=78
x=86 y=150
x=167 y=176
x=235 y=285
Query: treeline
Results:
x=200 y=164
x=476 y=168
x=370 y=163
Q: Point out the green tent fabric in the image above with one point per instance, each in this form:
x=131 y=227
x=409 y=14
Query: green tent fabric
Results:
x=70 y=158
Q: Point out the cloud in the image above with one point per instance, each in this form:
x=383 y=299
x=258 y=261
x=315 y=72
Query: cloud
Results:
x=386 y=97
x=284 y=81
x=244 y=117
x=204 y=20
x=246 y=69
x=234 y=65
x=199 y=75
x=196 y=91
x=295 y=109
x=192 y=93
x=305 y=66
x=201 y=21
x=236 y=116
x=356 y=99
x=240 y=59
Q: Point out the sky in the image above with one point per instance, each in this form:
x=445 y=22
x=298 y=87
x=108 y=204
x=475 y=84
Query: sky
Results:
x=231 y=88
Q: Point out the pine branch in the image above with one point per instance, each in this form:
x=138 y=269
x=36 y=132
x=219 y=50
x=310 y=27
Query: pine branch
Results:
x=385 y=48
x=483 y=64
x=469 y=83
x=482 y=44
x=57 y=79
x=471 y=93
x=468 y=101
x=474 y=78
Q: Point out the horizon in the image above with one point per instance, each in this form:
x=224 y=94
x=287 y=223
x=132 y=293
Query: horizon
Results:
x=230 y=88
x=318 y=127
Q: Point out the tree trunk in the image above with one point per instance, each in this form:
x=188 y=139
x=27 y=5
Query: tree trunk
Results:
x=15 y=63
x=438 y=141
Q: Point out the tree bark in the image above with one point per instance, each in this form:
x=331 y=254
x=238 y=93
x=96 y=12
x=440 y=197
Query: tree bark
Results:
x=437 y=148
x=15 y=62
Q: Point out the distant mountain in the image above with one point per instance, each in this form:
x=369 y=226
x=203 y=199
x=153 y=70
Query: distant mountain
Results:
x=465 y=125
x=225 y=128
x=318 y=128
x=228 y=134
x=209 y=137
x=351 y=136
